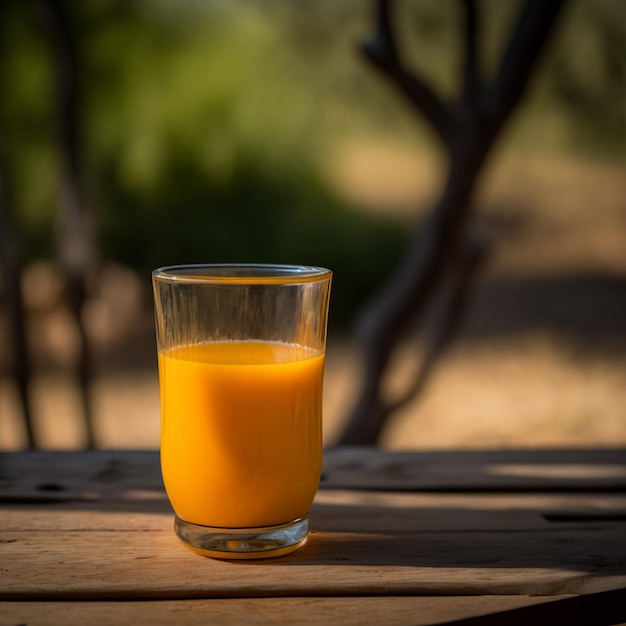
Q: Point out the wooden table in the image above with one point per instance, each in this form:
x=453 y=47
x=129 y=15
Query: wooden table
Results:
x=413 y=538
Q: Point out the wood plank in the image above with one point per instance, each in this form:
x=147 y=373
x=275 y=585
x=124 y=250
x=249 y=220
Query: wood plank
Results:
x=49 y=476
x=355 y=611
x=104 y=530
x=84 y=564
x=79 y=474
x=510 y=470
x=336 y=510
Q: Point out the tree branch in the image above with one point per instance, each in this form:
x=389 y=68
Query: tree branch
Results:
x=405 y=297
x=528 y=39
x=11 y=267
x=471 y=69
x=469 y=132
x=75 y=237
x=456 y=299
x=381 y=50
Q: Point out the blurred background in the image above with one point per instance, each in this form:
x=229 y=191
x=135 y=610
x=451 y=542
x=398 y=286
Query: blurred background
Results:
x=253 y=131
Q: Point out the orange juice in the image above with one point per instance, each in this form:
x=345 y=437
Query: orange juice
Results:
x=241 y=431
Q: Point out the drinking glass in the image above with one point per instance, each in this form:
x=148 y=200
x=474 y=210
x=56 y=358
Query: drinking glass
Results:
x=241 y=356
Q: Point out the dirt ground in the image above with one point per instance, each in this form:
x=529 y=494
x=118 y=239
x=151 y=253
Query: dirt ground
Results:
x=540 y=361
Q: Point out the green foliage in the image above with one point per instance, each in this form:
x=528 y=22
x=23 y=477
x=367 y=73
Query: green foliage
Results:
x=27 y=126
x=590 y=75
x=204 y=123
x=200 y=144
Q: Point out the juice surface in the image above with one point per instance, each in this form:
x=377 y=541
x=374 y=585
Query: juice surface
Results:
x=241 y=431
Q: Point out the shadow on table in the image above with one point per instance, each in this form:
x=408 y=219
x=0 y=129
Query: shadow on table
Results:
x=588 y=547
x=427 y=527
x=605 y=608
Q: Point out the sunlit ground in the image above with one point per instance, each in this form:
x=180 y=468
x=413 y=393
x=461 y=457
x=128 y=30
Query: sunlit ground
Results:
x=541 y=361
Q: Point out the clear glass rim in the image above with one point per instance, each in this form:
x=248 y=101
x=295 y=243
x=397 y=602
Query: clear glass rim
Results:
x=241 y=273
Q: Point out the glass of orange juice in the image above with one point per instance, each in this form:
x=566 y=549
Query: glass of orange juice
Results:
x=241 y=356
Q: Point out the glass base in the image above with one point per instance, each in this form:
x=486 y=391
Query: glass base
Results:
x=243 y=543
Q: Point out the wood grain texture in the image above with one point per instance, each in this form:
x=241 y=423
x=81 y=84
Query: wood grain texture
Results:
x=391 y=611
x=494 y=471
x=152 y=564
x=51 y=475
x=98 y=526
